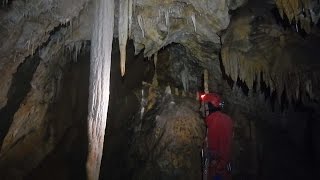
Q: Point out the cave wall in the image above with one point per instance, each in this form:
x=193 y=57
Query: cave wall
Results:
x=276 y=114
x=68 y=117
x=50 y=104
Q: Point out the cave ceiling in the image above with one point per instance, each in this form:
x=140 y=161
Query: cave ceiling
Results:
x=250 y=40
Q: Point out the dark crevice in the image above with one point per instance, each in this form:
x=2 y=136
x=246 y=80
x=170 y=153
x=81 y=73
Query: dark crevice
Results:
x=20 y=86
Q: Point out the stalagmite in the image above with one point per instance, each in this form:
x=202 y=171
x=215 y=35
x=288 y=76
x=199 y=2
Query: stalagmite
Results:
x=193 y=18
x=100 y=64
x=168 y=90
x=123 y=33
x=142 y=104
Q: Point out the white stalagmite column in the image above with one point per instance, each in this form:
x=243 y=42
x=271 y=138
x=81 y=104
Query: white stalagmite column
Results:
x=100 y=64
x=123 y=33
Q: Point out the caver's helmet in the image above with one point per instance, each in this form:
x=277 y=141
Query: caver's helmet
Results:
x=213 y=98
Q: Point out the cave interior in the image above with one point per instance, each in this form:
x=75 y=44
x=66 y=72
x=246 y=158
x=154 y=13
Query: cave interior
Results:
x=65 y=65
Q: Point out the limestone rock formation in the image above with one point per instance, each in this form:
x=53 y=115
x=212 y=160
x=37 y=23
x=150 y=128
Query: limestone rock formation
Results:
x=39 y=112
x=170 y=138
x=256 y=48
x=254 y=51
x=186 y=22
x=305 y=12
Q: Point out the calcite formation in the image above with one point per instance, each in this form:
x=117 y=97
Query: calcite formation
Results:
x=160 y=23
x=256 y=49
x=99 y=86
x=304 y=12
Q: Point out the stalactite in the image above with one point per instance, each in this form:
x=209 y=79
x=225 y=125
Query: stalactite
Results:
x=141 y=24
x=193 y=18
x=166 y=15
x=5 y=2
x=134 y=6
x=75 y=48
x=100 y=64
x=155 y=60
x=185 y=78
x=155 y=77
x=123 y=33
x=130 y=17
x=205 y=81
x=293 y=8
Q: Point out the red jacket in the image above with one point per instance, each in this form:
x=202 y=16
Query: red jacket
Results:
x=220 y=128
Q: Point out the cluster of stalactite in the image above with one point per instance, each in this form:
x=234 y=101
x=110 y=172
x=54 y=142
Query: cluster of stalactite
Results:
x=299 y=11
x=296 y=85
x=261 y=52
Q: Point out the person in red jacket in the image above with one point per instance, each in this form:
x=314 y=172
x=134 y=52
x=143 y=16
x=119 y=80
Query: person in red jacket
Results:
x=219 y=138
